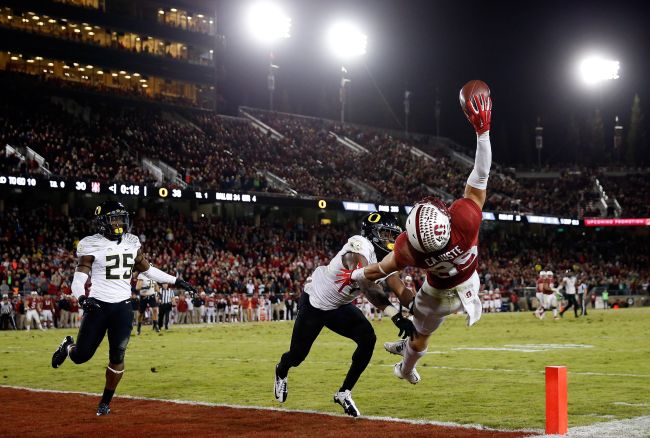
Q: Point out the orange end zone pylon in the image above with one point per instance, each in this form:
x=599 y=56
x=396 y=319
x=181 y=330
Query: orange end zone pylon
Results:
x=557 y=418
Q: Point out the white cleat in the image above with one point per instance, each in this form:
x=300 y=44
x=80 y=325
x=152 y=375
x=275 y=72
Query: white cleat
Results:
x=413 y=377
x=344 y=398
x=280 y=388
x=396 y=347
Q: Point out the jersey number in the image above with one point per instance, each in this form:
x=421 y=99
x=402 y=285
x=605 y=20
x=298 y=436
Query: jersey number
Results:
x=128 y=261
x=460 y=263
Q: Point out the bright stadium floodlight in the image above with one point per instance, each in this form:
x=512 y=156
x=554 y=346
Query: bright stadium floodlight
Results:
x=346 y=41
x=267 y=23
x=594 y=70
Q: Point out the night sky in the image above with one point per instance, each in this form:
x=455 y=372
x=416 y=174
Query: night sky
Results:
x=526 y=51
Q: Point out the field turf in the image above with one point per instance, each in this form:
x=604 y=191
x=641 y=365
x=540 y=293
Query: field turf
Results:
x=491 y=374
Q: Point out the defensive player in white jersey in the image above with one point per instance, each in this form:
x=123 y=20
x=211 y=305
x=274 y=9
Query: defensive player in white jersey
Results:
x=569 y=283
x=147 y=289
x=324 y=303
x=109 y=257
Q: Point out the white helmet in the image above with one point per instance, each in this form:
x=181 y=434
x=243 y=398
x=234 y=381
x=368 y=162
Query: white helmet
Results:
x=549 y=273
x=428 y=226
x=542 y=273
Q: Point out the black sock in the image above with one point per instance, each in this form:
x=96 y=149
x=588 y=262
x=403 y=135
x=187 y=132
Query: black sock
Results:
x=107 y=396
x=281 y=370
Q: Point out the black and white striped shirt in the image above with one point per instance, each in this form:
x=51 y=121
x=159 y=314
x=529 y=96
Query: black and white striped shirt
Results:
x=166 y=295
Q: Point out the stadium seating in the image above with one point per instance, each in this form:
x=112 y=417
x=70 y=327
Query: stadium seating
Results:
x=81 y=135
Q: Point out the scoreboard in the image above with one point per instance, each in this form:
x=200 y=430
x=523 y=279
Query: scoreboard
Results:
x=205 y=196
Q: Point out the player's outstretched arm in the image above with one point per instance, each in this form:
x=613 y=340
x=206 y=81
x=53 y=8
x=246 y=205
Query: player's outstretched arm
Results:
x=372 y=272
x=155 y=274
x=479 y=114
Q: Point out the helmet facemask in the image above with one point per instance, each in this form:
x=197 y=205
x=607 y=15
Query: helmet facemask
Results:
x=114 y=224
x=383 y=238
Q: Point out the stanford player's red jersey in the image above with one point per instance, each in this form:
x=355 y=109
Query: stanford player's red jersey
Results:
x=547 y=286
x=457 y=261
x=540 y=285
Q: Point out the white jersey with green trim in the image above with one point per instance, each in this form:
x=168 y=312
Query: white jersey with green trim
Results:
x=147 y=287
x=112 y=266
x=322 y=288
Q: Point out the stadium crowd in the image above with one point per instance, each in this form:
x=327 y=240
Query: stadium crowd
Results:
x=85 y=137
x=262 y=267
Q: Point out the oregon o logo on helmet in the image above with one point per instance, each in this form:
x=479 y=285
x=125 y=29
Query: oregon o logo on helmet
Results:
x=374 y=218
x=98 y=210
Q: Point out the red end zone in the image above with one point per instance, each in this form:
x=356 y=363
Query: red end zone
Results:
x=37 y=414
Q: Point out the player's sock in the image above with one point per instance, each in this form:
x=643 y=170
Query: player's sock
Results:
x=107 y=396
x=410 y=358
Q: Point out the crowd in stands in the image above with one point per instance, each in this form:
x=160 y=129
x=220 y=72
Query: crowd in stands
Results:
x=84 y=137
x=632 y=192
x=227 y=258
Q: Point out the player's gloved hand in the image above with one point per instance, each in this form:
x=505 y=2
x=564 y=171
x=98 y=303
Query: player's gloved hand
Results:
x=405 y=326
x=89 y=304
x=479 y=112
x=344 y=277
x=184 y=285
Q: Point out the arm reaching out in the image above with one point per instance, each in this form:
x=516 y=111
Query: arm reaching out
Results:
x=479 y=114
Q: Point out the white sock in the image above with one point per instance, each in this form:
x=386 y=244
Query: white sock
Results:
x=411 y=357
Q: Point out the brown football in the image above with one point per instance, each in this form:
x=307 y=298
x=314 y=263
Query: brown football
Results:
x=472 y=88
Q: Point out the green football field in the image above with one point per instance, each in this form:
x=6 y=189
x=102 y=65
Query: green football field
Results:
x=491 y=374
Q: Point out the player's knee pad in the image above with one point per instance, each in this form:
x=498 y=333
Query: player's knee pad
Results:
x=116 y=355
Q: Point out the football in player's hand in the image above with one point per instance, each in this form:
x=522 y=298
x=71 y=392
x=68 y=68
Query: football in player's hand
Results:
x=472 y=88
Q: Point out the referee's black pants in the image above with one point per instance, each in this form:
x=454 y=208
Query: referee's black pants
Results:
x=347 y=321
x=571 y=298
x=116 y=319
x=163 y=313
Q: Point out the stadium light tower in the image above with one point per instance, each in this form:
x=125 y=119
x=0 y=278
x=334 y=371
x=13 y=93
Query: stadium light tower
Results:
x=594 y=70
x=346 y=41
x=268 y=24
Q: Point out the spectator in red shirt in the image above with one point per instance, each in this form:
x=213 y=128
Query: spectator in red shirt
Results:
x=255 y=303
x=245 y=308
x=182 y=309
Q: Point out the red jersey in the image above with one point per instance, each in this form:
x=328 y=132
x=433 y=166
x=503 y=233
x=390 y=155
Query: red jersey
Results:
x=33 y=303
x=457 y=261
x=548 y=283
x=48 y=304
x=540 y=285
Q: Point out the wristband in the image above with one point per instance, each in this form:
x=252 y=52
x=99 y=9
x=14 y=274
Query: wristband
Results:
x=390 y=311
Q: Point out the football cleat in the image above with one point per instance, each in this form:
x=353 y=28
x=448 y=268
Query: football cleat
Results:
x=344 y=398
x=413 y=377
x=103 y=409
x=61 y=353
x=280 y=389
x=396 y=347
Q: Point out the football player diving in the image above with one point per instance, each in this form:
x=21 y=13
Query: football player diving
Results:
x=324 y=303
x=444 y=242
x=109 y=257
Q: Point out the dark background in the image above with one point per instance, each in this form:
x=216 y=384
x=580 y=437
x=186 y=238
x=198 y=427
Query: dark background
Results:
x=526 y=51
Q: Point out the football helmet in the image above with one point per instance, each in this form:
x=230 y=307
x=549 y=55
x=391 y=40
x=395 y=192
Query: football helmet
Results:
x=428 y=226
x=112 y=220
x=381 y=229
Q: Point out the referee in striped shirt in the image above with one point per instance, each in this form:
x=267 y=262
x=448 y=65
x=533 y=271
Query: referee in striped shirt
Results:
x=166 y=297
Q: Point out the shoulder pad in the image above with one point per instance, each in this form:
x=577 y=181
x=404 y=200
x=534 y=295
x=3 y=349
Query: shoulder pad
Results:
x=90 y=245
x=132 y=239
